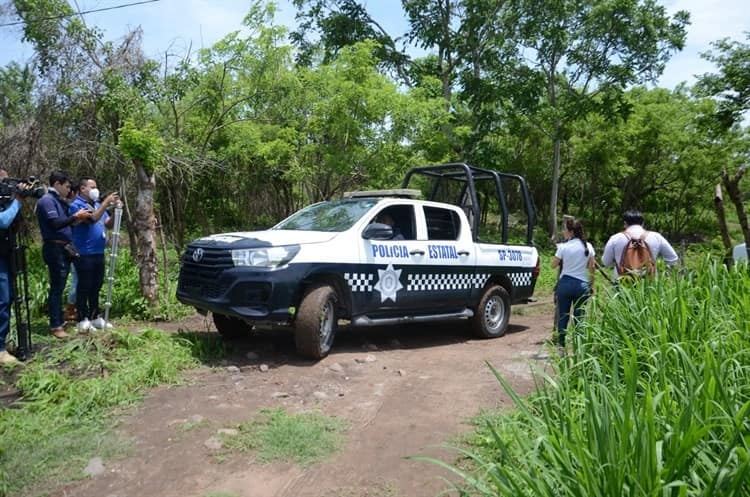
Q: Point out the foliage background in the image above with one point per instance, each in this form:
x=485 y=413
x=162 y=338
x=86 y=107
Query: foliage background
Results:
x=266 y=121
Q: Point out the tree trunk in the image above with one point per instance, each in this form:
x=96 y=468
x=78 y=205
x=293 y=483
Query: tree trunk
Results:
x=145 y=227
x=733 y=188
x=556 y=125
x=555 y=187
x=721 y=215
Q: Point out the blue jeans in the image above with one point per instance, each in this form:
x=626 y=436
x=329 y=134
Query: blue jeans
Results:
x=4 y=300
x=570 y=292
x=73 y=285
x=90 y=269
x=59 y=267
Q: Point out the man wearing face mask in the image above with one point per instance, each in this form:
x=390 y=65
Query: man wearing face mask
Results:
x=89 y=237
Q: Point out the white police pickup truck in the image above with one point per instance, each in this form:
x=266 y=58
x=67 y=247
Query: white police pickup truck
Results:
x=334 y=261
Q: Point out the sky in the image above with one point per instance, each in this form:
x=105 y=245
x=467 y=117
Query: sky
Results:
x=175 y=25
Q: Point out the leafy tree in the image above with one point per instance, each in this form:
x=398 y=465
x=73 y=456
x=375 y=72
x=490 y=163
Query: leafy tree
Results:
x=731 y=89
x=578 y=57
x=659 y=160
x=19 y=131
x=89 y=87
x=339 y=24
x=145 y=148
x=16 y=100
x=229 y=120
x=260 y=137
x=463 y=36
x=731 y=86
x=345 y=136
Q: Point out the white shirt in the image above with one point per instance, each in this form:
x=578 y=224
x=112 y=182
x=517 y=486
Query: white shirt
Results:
x=657 y=245
x=575 y=262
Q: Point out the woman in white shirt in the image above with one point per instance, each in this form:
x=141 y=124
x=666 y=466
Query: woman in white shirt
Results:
x=577 y=266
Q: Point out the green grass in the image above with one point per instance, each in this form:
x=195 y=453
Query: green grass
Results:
x=71 y=391
x=190 y=425
x=40 y=451
x=275 y=435
x=655 y=400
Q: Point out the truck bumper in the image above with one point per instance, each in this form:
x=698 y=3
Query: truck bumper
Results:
x=259 y=295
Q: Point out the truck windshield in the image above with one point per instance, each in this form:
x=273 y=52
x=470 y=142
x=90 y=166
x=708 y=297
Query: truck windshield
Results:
x=337 y=215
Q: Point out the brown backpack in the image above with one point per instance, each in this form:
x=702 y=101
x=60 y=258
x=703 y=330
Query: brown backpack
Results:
x=636 y=260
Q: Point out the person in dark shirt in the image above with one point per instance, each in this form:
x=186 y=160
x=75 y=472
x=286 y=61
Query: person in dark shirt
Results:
x=56 y=228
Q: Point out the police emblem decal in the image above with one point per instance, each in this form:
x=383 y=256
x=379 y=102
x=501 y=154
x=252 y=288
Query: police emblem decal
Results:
x=198 y=255
x=389 y=283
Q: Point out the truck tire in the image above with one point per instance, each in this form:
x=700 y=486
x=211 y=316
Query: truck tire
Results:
x=316 y=324
x=231 y=328
x=492 y=313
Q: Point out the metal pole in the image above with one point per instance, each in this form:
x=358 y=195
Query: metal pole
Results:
x=112 y=260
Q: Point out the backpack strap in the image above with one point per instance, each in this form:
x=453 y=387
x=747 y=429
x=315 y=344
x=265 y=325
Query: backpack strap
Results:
x=641 y=238
x=650 y=254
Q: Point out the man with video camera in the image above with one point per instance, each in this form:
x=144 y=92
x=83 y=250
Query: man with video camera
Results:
x=8 y=213
x=58 y=250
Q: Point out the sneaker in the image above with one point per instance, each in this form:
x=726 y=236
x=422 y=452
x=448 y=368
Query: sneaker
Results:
x=84 y=325
x=7 y=358
x=101 y=324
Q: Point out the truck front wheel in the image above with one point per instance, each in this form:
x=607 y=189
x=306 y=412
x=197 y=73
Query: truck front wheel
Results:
x=316 y=323
x=493 y=313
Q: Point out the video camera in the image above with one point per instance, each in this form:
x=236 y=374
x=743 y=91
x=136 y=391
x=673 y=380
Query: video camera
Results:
x=9 y=188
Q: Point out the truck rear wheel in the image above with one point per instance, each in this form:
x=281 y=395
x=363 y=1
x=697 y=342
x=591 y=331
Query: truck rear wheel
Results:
x=493 y=313
x=317 y=320
x=231 y=328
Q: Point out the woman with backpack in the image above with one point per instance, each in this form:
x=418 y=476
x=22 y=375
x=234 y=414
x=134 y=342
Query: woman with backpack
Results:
x=575 y=257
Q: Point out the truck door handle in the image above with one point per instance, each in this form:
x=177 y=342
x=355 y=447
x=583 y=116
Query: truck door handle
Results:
x=463 y=252
x=416 y=252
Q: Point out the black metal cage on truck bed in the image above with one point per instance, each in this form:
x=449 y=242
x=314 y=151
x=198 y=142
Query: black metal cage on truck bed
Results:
x=494 y=202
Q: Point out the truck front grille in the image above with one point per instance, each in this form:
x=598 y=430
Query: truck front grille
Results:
x=201 y=278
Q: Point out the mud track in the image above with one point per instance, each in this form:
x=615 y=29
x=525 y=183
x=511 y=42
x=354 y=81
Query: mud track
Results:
x=403 y=391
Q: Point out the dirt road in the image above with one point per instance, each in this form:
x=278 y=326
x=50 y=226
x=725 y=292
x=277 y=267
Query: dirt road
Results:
x=403 y=391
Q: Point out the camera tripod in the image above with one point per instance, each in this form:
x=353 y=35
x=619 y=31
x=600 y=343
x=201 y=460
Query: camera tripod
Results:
x=19 y=286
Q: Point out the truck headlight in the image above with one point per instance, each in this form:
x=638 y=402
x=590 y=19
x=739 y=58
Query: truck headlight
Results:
x=264 y=257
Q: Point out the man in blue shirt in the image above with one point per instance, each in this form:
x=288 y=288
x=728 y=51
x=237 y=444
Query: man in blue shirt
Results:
x=56 y=228
x=7 y=216
x=89 y=238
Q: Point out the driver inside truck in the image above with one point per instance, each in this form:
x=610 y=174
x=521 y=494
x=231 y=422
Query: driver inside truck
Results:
x=385 y=218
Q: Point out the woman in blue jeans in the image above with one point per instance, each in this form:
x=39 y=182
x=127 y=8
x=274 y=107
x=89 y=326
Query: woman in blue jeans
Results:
x=577 y=265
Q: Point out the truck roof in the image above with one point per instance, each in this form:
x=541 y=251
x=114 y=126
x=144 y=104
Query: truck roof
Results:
x=392 y=193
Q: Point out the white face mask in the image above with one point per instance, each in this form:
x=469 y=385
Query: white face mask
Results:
x=94 y=194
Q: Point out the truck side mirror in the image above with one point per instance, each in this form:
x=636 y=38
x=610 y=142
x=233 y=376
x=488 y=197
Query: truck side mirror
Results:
x=377 y=231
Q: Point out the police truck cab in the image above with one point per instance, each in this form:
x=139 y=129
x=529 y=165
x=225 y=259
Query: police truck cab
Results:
x=457 y=246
